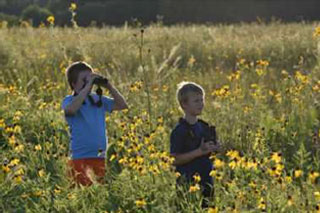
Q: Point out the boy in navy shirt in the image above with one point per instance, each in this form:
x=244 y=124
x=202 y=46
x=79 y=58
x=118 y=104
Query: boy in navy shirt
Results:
x=192 y=140
x=85 y=114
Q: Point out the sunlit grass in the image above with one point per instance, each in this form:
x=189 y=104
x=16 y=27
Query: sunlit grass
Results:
x=262 y=86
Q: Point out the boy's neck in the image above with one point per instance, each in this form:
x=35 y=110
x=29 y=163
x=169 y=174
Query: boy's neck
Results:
x=191 y=119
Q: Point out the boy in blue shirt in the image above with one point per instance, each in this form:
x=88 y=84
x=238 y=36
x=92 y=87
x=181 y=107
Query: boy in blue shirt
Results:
x=85 y=114
x=192 y=140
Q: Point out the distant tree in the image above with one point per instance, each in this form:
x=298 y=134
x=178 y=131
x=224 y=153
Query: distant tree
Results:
x=36 y=14
x=10 y=19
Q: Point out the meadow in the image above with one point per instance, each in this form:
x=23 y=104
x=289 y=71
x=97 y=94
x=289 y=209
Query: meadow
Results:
x=262 y=84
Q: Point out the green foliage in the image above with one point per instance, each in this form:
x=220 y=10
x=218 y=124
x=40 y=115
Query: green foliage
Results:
x=270 y=115
x=10 y=19
x=36 y=14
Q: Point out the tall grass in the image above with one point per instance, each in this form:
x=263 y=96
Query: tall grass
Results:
x=262 y=86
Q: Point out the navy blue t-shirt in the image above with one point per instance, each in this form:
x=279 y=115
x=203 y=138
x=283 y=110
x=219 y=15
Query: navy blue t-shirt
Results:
x=185 y=138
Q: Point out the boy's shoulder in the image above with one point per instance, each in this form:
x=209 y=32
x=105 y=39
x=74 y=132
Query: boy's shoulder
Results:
x=180 y=127
x=67 y=97
x=204 y=123
x=183 y=125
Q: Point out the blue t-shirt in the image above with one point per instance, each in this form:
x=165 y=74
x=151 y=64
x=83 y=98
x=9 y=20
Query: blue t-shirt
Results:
x=185 y=138
x=88 y=128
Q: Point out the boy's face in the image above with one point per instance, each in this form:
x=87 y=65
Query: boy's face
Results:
x=194 y=105
x=83 y=78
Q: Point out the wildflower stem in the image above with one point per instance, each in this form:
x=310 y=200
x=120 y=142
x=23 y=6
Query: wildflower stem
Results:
x=145 y=77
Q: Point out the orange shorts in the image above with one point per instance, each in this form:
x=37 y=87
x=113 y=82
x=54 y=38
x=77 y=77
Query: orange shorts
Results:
x=86 y=171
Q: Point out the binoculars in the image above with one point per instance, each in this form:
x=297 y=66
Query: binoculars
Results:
x=212 y=136
x=100 y=81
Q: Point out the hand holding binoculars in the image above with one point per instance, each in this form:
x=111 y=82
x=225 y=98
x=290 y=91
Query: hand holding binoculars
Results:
x=100 y=81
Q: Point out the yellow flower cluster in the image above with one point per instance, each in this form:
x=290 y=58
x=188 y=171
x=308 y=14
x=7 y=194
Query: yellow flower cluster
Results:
x=222 y=92
x=316 y=32
x=50 y=20
x=136 y=86
x=140 y=203
x=73 y=7
x=194 y=188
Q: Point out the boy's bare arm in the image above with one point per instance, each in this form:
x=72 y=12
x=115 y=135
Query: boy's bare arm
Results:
x=180 y=159
x=77 y=101
x=119 y=101
x=204 y=149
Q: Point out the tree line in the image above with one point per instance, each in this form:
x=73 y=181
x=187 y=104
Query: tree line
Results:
x=117 y=12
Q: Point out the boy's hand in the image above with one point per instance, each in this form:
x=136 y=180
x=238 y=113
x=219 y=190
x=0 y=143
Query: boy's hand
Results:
x=208 y=147
x=91 y=78
x=89 y=81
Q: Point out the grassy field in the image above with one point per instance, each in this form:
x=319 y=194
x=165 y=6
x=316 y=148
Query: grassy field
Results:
x=262 y=84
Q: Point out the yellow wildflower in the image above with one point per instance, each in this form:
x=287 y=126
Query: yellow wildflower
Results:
x=233 y=154
x=38 y=193
x=316 y=32
x=298 y=173
x=218 y=163
x=140 y=203
x=177 y=174
x=317 y=195
x=18 y=179
x=262 y=204
x=14 y=162
x=24 y=195
x=263 y=63
x=20 y=171
x=41 y=25
x=71 y=196
x=254 y=86
x=213 y=173
x=302 y=78
x=17 y=129
x=165 y=88
x=113 y=156
x=213 y=210
x=41 y=173
x=260 y=71
x=17 y=115
x=6 y=169
x=57 y=190
x=253 y=185
x=37 y=147
x=191 y=61
x=194 y=188
x=19 y=148
x=222 y=92
x=290 y=201
x=2 y=124
x=285 y=73
x=288 y=179
x=73 y=7
x=276 y=157
x=252 y=165
x=197 y=178
x=12 y=140
x=50 y=20
x=313 y=176
x=318 y=208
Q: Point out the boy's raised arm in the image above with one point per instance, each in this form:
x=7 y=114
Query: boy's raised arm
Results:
x=77 y=101
x=119 y=101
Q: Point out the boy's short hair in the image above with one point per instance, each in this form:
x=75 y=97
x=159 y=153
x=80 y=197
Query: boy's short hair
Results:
x=73 y=70
x=184 y=88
